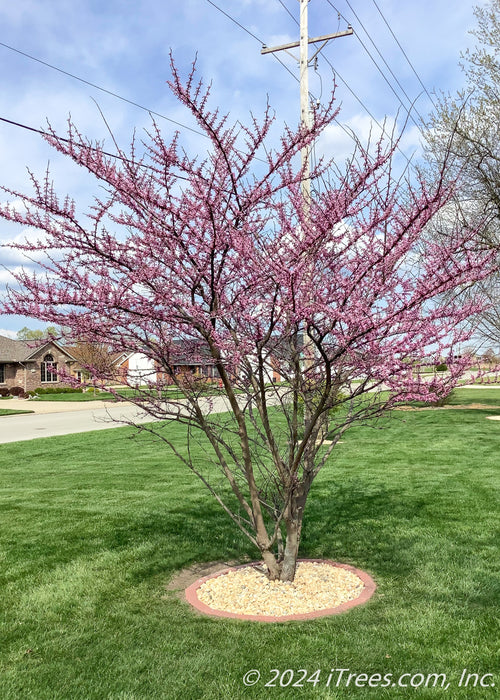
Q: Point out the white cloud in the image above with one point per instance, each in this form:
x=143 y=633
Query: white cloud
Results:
x=8 y=333
x=11 y=256
x=6 y=275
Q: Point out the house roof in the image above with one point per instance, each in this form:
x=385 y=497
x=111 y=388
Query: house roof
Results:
x=22 y=351
x=13 y=350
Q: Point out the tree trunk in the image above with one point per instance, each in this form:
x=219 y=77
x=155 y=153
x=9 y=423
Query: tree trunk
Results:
x=293 y=523
x=289 y=565
x=272 y=565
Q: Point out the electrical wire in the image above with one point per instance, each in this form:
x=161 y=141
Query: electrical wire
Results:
x=410 y=101
x=262 y=43
x=96 y=150
x=105 y=90
x=287 y=10
x=412 y=106
x=98 y=87
x=162 y=116
x=346 y=85
x=404 y=53
x=84 y=145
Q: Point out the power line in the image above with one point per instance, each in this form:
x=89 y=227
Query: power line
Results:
x=82 y=145
x=367 y=51
x=124 y=159
x=287 y=10
x=88 y=146
x=385 y=63
x=344 y=82
x=98 y=87
x=238 y=24
x=404 y=53
x=226 y=14
x=109 y=92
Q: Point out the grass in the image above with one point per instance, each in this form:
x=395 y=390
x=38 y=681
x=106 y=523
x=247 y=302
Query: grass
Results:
x=170 y=392
x=76 y=396
x=125 y=393
x=12 y=411
x=93 y=526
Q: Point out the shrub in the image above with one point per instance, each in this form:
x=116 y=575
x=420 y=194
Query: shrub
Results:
x=441 y=367
x=4 y=391
x=17 y=391
x=56 y=390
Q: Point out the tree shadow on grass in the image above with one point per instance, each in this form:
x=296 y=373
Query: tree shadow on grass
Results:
x=346 y=523
x=374 y=526
x=180 y=536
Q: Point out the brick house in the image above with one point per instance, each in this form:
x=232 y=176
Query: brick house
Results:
x=189 y=360
x=28 y=367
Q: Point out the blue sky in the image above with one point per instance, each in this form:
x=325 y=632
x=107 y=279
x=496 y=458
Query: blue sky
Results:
x=123 y=47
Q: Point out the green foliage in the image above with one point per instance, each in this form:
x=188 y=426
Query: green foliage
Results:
x=55 y=390
x=442 y=367
x=37 y=334
x=445 y=400
x=335 y=400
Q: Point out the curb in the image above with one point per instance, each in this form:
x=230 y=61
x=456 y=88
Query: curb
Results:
x=367 y=592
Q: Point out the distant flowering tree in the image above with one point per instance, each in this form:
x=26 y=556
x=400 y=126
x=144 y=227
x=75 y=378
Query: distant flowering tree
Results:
x=218 y=260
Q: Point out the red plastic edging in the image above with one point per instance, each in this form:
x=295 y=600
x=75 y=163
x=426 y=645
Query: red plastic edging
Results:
x=365 y=595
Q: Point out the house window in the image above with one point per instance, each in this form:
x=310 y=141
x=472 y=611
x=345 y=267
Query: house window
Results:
x=48 y=369
x=2 y=374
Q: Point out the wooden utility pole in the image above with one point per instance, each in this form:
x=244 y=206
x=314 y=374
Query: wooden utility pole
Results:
x=304 y=105
x=304 y=62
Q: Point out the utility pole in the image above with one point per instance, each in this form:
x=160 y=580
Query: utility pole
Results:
x=304 y=106
x=304 y=62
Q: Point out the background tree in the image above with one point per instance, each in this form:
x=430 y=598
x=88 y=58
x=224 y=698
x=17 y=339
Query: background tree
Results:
x=37 y=333
x=217 y=259
x=464 y=132
x=94 y=358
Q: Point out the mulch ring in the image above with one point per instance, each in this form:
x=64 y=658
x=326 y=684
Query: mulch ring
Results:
x=320 y=588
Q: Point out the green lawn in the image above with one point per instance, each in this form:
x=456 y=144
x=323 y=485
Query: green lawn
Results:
x=12 y=411
x=125 y=393
x=93 y=526
x=76 y=396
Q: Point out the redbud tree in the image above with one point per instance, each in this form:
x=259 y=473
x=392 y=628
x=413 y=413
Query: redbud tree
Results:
x=217 y=259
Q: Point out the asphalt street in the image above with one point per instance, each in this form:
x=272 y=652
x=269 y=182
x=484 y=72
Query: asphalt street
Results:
x=65 y=418
x=28 y=426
